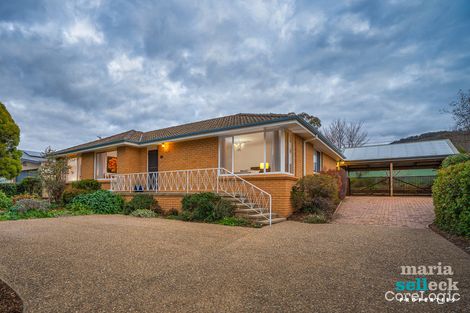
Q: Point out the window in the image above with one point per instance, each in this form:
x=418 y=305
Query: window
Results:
x=273 y=151
x=248 y=153
x=74 y=169
x=290 y=153
x=105 y=163
x=317 y=161
x=252 y=153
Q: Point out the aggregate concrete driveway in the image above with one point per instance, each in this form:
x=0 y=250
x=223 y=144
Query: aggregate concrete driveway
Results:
x=126 y=264
x=413 y=212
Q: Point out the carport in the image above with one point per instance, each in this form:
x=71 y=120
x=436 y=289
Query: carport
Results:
x=395 y=169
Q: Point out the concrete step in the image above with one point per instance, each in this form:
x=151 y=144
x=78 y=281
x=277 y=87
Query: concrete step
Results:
x=232 y=199
x=257 y=216
x=245 y=210
x=273 y=221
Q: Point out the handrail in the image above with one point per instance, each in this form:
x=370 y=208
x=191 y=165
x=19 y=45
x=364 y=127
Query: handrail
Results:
x=219 y=180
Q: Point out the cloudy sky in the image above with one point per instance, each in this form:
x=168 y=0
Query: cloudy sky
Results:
x=71 y=71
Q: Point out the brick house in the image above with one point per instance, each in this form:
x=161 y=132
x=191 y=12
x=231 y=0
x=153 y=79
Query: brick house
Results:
x=253 y=158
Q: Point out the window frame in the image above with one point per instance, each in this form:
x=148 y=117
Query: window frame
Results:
x=283 y=135
x=95 y=166
x=319 y=162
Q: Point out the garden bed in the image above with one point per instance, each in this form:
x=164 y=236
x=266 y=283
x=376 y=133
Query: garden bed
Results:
x=460 y=241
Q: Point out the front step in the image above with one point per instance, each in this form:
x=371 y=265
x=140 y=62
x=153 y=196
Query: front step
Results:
x=257 y=216
x=249 y=211
x=273 y=221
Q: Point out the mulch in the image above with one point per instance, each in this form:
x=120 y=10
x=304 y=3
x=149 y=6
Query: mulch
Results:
x=10 y=302
x=460 y=241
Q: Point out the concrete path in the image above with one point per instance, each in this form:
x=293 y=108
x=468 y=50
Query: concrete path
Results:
x=126 y=264
x=412 y=212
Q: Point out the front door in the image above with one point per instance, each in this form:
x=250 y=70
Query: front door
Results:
x=152 y=168
x=152 y=161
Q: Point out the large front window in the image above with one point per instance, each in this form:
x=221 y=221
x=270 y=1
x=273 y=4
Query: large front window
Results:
x=252 y=153
x=105 y=164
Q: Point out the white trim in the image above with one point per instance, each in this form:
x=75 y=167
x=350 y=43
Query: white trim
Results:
x=264 y=150
x=283 y=150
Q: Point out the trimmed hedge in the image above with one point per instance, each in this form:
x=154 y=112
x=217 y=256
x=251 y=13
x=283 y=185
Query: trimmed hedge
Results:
x=315 y=193
x=207 y=207
x=101 y=201
x=451 y=196
x=87 y=184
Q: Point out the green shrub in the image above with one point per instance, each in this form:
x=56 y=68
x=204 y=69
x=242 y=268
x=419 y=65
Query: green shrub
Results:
x=10 y=189
x=234 y=221
x=342 y=180
x=142 y=201
x=25 y=205
x=451 y=196
x=455 y=159
x=315 y=193
x=143 y=213
x=78 y=209
x=318 y=218
x=30 y=185
x=206 y=206
x=69 y=195
x=101 y=202
x=87 y=184
x=5 y=202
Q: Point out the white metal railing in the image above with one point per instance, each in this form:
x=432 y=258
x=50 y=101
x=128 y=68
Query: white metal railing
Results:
x=217 y=180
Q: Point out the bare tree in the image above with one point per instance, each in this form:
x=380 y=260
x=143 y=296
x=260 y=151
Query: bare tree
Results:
x=346 y=135
x=460 y=110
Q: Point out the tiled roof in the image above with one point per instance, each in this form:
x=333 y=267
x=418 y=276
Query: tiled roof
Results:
x=190 y=129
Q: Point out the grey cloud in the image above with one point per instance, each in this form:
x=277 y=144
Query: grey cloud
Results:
x=72 y=71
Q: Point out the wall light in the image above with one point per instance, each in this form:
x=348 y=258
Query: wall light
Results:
x=166 y=146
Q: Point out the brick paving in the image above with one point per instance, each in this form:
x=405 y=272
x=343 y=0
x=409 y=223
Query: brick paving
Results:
x=412 y=212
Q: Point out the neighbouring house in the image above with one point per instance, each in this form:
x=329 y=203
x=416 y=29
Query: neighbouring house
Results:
x=255 y=158
x=30 y=162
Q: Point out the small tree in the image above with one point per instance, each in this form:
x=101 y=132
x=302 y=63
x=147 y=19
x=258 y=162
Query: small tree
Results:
x=346 y=135
x=460 y=110
x=53 y=173
x=10 y=164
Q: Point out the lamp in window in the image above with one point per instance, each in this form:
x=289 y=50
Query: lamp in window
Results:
x=261 y=166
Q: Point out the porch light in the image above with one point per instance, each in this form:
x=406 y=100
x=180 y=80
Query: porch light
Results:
x=261 y=166
x=165 y=146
